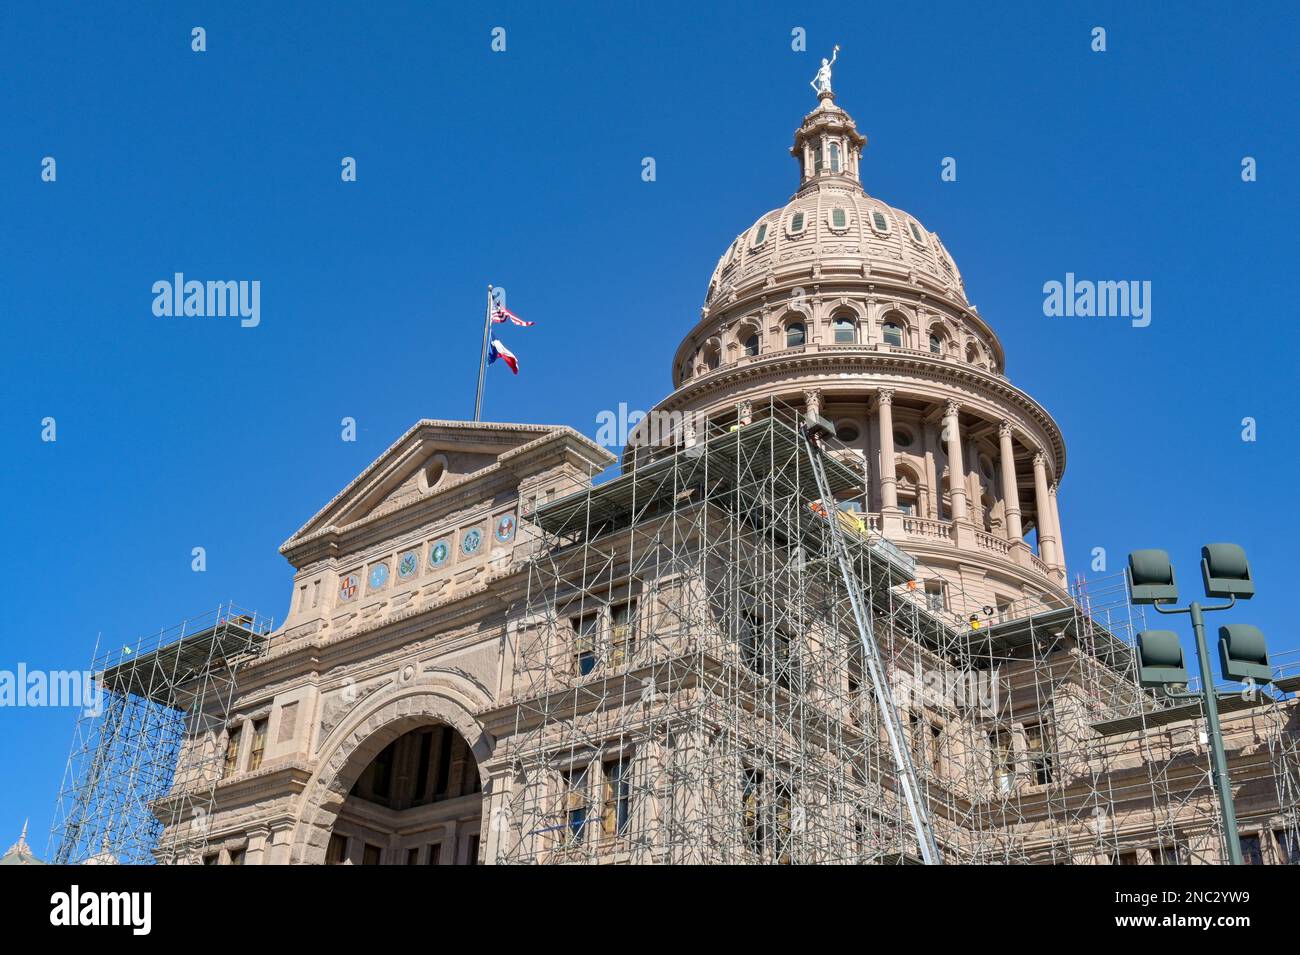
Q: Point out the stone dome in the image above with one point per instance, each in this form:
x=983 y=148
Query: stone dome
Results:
x=832 y=227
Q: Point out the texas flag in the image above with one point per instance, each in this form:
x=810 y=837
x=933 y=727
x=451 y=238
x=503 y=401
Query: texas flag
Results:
x=502 y=314
x=497 y=350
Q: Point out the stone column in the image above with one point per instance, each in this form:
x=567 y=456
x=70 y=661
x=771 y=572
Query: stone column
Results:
x=956 y=470
x=1043 y=505
x=1056 y=527
x=255 y=852
x=1010 y=490
x=888 y=477
x=812 y=403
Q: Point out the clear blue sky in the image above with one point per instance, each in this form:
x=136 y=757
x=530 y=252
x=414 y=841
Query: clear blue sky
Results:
x=523 y=168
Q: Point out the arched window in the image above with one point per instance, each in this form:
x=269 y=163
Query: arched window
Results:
x=846 y=331
x=972 y=353
x=817 y=158
x=712 y=357
x=936 y=344
x=751 y=345
x=893 y=334
x=794 y=334
x=835 y=157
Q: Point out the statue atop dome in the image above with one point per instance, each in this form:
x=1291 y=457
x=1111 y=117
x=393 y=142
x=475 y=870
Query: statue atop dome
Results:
x=821 y=83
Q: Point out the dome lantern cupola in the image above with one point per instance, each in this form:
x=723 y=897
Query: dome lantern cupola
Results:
x=828 y=146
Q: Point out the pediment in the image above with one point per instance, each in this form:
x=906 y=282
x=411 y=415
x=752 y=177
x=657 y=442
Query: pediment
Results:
x=429 y=458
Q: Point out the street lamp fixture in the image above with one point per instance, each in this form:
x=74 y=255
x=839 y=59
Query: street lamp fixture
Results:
x=1243 y=655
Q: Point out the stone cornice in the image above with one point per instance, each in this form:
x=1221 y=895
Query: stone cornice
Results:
x=808 y=368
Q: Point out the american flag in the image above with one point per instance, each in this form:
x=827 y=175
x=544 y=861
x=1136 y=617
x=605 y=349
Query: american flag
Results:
x=502 y=314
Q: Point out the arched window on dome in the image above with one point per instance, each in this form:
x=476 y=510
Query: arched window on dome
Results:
x=817 y=158
x=846 y=331
x=892 y=333
x=973 y=353
x=835 y=157
x=750 y=345
x=712 y=356
x=795 y=335
x=936 y=344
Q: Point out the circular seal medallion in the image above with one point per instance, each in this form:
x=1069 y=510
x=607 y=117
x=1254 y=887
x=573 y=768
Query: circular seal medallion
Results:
x=378 y=576
x=471 y=541
x=506 y=528
x=438 y=554
x=348 y=586
x=407 y=566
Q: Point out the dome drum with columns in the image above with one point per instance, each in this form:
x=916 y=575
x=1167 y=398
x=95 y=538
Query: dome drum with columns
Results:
x=850 y=308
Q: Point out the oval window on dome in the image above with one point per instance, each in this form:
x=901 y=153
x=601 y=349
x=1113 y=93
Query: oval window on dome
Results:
x=879 y=222
x=839 y=218
x=916 y=232
x=796 y=223
x=760 y=234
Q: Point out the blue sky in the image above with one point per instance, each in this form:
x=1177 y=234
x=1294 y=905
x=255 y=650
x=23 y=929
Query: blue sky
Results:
x=523 y=168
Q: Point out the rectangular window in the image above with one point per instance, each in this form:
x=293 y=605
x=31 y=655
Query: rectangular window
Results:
x=586 y=631
x=232 y=750
x=435 y=854
x=237 y=856
x=370 y=855
x=1288 y=846
x=615 y=798
x=934 y=596
x=622 y=634
x=1004 y=763
x=1042 y=757
x=259 y=745
x=839 y=218
x=796 y=223
x=413 y=856
x=1250 y=851
x=471 y=850
x=1173 y=853
x=1124 y=858
x=302 y=597
x=337 y=851
x=575 y=803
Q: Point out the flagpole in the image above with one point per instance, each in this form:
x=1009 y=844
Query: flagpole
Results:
x=482 y=361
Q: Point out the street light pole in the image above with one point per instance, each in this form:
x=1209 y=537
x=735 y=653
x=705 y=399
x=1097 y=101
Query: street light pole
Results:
x=1222 y=783
x=1242 y=653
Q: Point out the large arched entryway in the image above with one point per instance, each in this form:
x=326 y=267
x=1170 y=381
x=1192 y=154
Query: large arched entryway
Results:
x=418 y=802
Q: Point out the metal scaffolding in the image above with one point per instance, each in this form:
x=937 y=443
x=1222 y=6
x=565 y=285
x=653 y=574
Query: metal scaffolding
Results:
x=147 y=759
x=687 y=685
